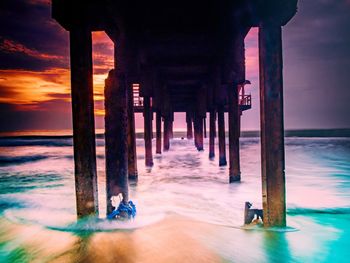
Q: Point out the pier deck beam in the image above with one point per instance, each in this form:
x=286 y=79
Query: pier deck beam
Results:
x=83 y=122
x=116 y=136
x=132 y=155
x=158 y=132
x=234 y=131
x=222 y=140
x=147 y=115
x=272 y=127
x=212 y=119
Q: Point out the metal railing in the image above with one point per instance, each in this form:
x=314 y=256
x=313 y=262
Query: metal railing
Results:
x=245 y=100
x=138 y=100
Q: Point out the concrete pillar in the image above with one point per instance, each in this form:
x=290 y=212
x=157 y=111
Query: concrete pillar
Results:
x=212 y=120
x=171 y=127
x=166 y=135
x=147 y=116
x=222 y=143
x=234 y=131
x=272 y=127
x=198 y=132
x=132 y=155
x=195 y=131
x=158 y=132
x=189 y=125
x=116 y=130
x=83 y=122
x=205 y=127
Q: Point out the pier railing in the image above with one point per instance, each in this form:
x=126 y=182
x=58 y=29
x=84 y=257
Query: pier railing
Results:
x=244 y=100
x=138 y=100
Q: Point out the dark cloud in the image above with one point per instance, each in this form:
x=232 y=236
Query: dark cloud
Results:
x=316 y=65
x=30 y=39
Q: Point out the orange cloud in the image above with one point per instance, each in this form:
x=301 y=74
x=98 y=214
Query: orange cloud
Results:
x=33 y=90
x=27 y=87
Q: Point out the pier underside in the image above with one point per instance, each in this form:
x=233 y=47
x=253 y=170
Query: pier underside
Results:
x=179 y=56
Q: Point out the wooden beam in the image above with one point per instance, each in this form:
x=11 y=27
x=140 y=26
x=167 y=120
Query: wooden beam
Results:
x=212 y=120
x=272 y=125
x=147 y=130
x=158 y=132
x=234 y=130
x=116 y=136
x=83 y=122
x=132 y=155
x=222 y=139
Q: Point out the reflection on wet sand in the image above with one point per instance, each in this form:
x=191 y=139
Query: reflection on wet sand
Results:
x=167 y=241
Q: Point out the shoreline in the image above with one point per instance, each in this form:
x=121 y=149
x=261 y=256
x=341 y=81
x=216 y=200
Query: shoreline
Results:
x=309 y=133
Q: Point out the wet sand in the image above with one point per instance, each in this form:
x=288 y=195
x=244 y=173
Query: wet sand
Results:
x=170 y=240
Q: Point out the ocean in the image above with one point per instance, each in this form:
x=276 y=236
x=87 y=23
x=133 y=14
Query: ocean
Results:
x=186 y=210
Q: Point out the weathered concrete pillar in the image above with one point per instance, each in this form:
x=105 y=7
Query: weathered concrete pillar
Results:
x=272 y=127
x=83 y=122
x=189 y=125
x=132 y=155
x=212 y=119
x=222 y=143
x=201 y=135
x=195 y=131
x=171 y=127
x=205 y=127
x=158 y=132
x=234 y=131
x=116 y=130
x=147 y=116
x=166 y=135
x=198 y=132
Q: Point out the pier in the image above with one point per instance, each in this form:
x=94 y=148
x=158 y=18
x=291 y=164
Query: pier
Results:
x=181 y=56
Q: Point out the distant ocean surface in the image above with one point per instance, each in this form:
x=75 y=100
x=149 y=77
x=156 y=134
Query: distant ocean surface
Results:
x=187 y=211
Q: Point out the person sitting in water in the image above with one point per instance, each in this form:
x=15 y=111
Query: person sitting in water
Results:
x=122 y=210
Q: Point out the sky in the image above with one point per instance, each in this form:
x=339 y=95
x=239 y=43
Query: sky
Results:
x=35 y=77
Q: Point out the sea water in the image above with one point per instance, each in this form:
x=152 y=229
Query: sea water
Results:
x=186 y=209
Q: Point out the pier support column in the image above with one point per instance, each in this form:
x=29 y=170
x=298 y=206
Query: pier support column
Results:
x=195 y=131
x=212 y=119
x=198 y=132
x=132 y=155
x=116 y=130
x=166 y=135
x=222 y=140
x=83 y=122
x=272 y=127
x=205 y=127
x=171 y=127
x=147 y=116
x=189 y=125
x=158 y=133
x=234 y=131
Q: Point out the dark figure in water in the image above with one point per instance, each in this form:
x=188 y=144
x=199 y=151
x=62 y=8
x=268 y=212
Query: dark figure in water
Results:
x=249 y=214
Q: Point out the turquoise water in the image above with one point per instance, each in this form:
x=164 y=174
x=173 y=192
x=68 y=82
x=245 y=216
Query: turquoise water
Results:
x=186 y=209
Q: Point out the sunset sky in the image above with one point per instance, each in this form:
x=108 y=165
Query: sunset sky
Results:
x=35 y=78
